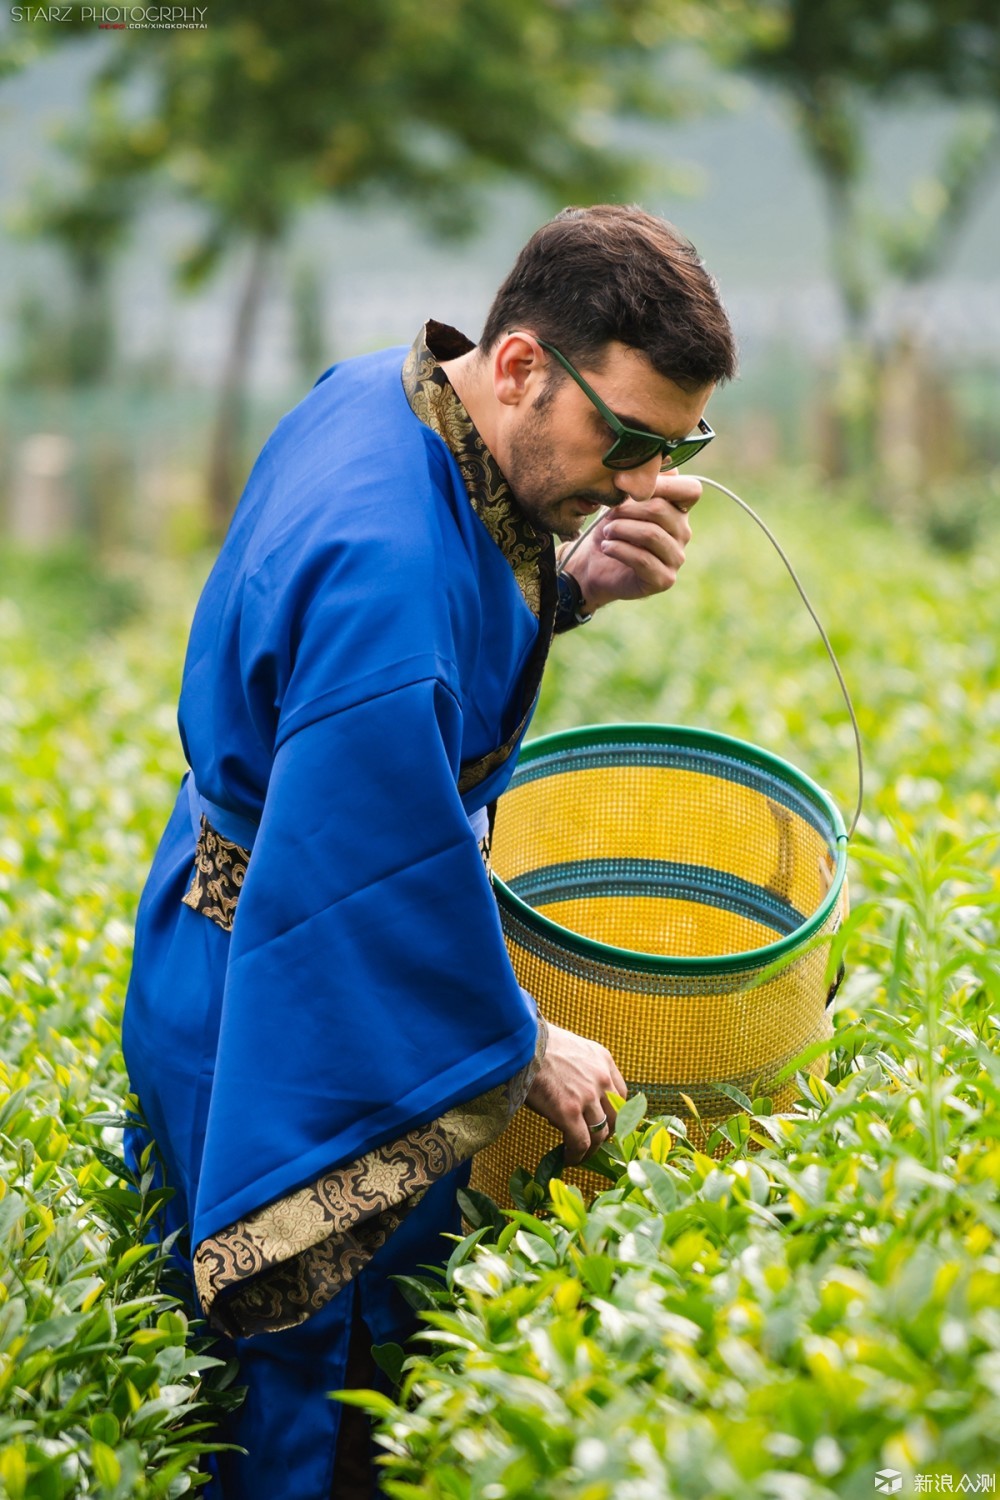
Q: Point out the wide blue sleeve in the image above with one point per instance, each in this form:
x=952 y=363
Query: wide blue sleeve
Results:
x=368 y=987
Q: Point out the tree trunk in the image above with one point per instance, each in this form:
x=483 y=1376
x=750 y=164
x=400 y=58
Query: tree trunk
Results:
x=224 y=456
x=845 y=258
x=850 y=416
x=918 y=439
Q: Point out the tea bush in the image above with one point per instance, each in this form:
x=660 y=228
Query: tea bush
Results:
x=822 y=1303
x=99 y=1391
x=782 y=1322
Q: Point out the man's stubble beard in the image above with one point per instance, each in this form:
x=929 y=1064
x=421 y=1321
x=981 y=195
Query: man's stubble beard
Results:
x=540 y=487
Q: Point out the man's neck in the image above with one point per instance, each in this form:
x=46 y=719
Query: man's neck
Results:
x=472 y=382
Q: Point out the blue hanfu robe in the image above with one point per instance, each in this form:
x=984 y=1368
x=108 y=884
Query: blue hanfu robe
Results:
x=361 y=668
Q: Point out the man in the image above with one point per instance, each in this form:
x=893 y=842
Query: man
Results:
x=322 y=1024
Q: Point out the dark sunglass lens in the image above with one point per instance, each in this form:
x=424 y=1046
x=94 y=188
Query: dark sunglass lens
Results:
x=683 y=452
x=679 y=455
x=630 y=452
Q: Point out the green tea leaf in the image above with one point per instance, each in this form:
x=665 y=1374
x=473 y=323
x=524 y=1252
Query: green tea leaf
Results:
x=390 y=1359
x=655 y=1181
x=630 y=1116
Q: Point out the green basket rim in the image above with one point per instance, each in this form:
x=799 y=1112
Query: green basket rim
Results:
x=589 y=735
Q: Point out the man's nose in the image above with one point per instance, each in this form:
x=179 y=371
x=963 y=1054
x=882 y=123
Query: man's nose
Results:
x=641 y=481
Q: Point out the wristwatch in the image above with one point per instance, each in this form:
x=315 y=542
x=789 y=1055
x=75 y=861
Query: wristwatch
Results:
x=571 y=610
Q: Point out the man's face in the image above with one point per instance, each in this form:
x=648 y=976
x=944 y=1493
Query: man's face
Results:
x=554 y=450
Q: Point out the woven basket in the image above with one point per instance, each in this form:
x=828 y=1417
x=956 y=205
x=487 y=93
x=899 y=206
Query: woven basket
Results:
x=647 y=876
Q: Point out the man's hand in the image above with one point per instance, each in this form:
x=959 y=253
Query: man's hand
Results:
x=570 y=1090
x=638 y=547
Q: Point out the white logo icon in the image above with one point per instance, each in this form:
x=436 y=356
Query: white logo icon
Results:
x=888 y=1481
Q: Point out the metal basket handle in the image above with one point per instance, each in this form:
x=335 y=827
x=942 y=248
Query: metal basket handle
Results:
x=714 y=483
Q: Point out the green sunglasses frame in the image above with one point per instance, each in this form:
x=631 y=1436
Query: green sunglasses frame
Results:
x=672 y=451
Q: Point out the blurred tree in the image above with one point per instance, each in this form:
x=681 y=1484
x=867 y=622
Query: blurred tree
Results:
x=85 y=216
x=418 y=104
x=87 y=227
x=308 y=319
x=832 y=59
x=19 y=46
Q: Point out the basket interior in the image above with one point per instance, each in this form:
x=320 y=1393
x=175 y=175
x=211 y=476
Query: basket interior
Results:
x=670 y=849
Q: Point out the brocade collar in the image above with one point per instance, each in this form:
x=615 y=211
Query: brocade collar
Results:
x=530 y=552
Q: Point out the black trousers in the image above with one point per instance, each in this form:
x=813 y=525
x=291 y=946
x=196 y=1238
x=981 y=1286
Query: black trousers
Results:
x=354 y=1473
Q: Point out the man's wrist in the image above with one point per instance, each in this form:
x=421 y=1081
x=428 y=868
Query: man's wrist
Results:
x=571 y=609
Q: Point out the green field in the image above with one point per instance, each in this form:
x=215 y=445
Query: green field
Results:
x=777 y=1325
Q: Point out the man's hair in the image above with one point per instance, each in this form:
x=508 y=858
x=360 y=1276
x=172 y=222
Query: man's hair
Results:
x=594 y=275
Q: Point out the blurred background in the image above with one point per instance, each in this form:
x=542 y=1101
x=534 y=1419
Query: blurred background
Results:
x=199 y=219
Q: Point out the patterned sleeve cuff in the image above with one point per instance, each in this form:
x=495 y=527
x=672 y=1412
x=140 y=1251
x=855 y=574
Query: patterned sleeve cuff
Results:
x=282 y=1263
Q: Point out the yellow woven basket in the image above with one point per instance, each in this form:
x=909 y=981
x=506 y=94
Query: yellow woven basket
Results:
x=647 y=877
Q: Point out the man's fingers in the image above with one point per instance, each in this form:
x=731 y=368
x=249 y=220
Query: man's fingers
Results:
x=652 y=547
x=571 y=1090
x=659 y=521
x=666 y=544
x=655 y=576
x=584 y=1138
x=578 y=1144
x=600 y=1118
x=680 y=489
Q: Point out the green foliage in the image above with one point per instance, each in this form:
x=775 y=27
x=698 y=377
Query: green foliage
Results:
x=100 y=1392
x=782 y=1322
x=66 y=592
x=821 y=1303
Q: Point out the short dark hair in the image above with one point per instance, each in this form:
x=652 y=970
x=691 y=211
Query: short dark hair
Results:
x=591 y=276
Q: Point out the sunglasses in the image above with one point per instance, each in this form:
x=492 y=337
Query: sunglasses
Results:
x=633 y=446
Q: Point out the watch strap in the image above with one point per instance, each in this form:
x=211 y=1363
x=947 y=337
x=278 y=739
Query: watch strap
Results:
x=571 y=609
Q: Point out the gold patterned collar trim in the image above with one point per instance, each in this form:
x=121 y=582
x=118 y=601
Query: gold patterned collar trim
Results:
x=436 y=402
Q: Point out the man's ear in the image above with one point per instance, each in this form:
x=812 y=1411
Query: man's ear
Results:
x=516 y=365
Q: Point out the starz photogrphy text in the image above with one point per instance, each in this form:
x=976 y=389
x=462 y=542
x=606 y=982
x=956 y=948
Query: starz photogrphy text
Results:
x=191 y=17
